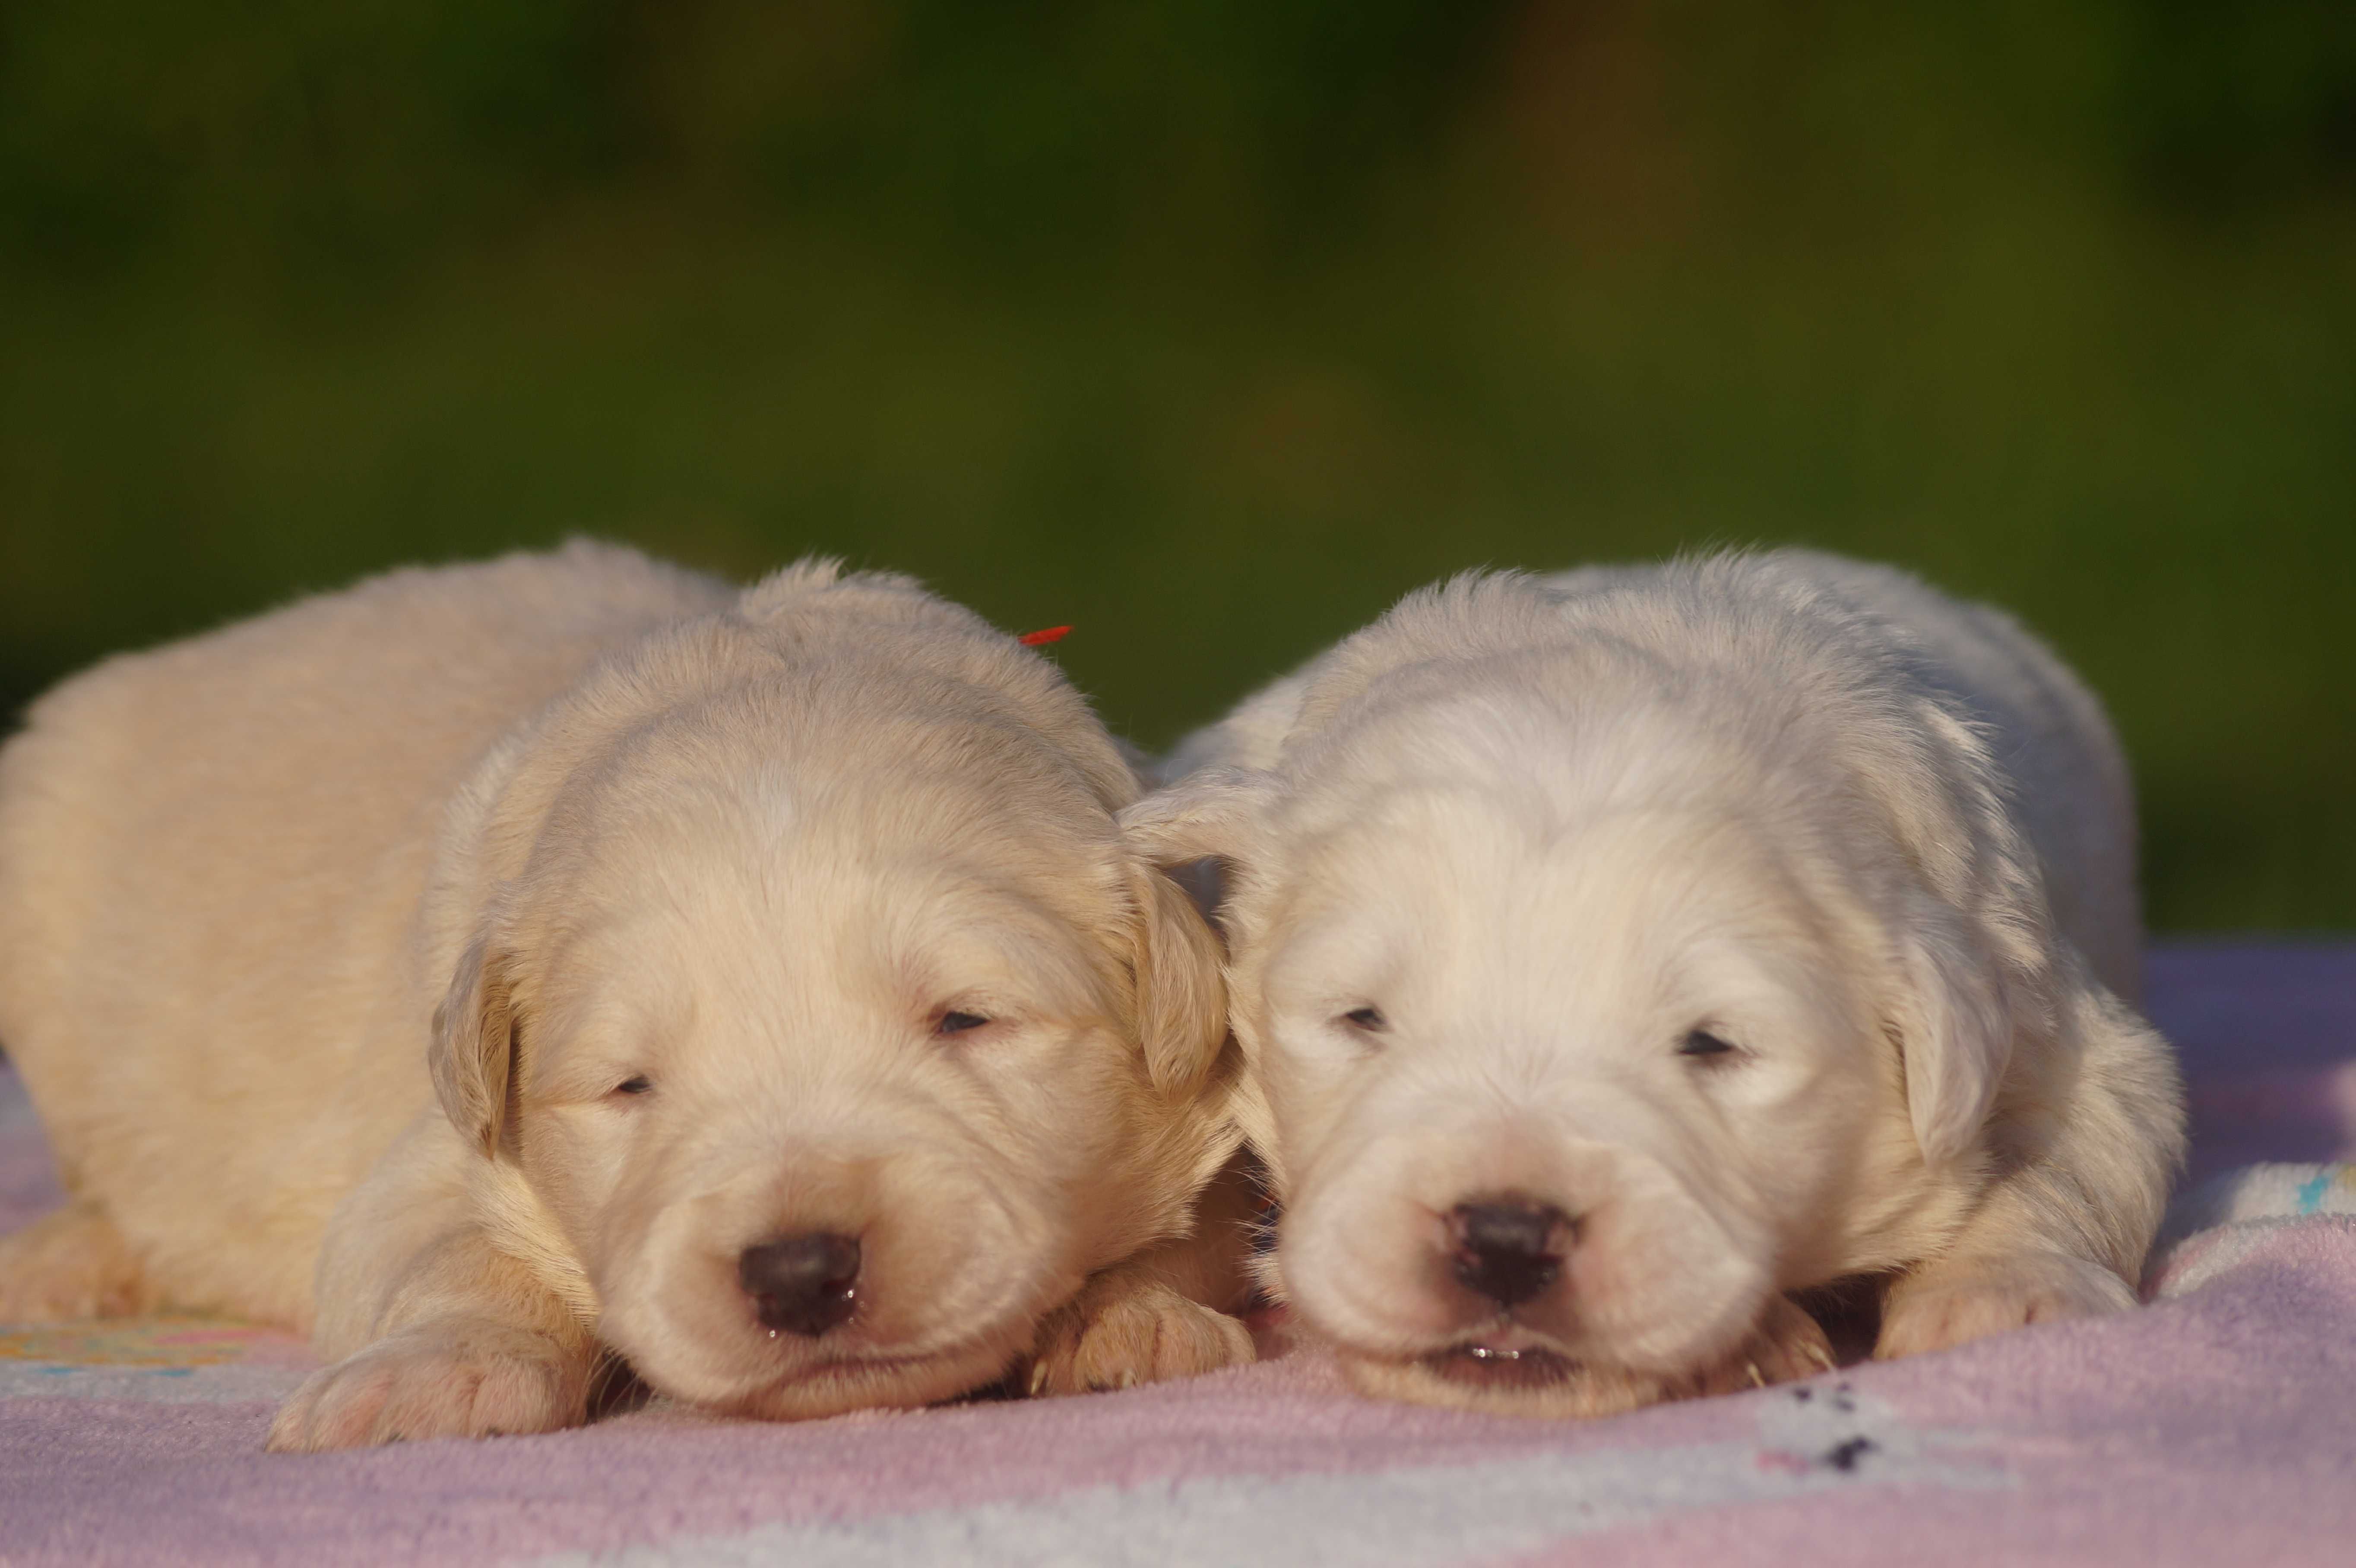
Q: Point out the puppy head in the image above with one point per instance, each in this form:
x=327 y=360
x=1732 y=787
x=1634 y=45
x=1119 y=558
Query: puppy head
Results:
x=828 y=1048
x=1573 y=1059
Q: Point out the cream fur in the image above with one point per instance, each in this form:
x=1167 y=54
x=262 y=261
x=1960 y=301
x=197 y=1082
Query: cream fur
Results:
x=326 y=940
x=1880 y=841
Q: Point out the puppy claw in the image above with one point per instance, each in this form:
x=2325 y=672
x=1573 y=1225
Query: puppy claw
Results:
x=1123 y=1330
x=1956 y=1300
x=1787 y=1345
x=463 y=1380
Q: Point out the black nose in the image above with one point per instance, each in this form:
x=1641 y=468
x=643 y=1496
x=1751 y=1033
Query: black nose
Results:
x=802 y=1284
x=1507 y=1249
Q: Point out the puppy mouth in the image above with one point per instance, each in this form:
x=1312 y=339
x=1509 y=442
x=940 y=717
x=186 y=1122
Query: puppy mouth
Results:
x=843 y=1383
x=848 y=1364
x=854 y=1366
x=981 y=1358
x=1504 y=1366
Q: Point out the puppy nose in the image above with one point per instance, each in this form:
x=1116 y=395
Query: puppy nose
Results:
x=1505 y=1248
x=802 y=1284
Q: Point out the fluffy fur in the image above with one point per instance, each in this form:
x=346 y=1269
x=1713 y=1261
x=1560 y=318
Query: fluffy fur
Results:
x=1506 y=869
x=469 y=966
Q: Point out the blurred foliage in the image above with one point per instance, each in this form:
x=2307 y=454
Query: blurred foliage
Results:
x=1212 y=327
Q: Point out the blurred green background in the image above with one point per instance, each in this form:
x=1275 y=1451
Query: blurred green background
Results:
x=1212 y=327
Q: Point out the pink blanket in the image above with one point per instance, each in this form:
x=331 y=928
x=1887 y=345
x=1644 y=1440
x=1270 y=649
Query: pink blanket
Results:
x=2216 y=1426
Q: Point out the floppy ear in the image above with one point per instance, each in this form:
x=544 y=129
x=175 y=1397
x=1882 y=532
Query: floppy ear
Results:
x=1954 y=1023
x=1181 y=988
x=1181 y=993
x=472 y=1054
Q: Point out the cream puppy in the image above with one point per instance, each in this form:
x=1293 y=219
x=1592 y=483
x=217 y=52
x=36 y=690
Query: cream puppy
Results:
x=500 y=969
x=1618 y=951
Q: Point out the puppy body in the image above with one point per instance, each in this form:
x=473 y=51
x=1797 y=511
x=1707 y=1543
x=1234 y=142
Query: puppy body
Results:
x=476 y=966
x=1730 y=928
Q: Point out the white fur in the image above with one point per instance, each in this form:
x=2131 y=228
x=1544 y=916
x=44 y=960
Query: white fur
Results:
x=1879 y=840
x=326 y=940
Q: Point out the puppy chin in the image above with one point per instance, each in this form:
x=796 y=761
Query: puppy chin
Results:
x=1530 y=1381
x=882 y=1381
x=1515 y=1370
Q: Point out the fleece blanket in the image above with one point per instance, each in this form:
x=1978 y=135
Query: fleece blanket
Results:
x=2218 y=1425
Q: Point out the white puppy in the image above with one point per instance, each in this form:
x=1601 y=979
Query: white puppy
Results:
x=800 y=1026
x=1617 y=951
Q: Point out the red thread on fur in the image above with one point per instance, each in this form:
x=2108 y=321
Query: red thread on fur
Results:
x=1045 y=635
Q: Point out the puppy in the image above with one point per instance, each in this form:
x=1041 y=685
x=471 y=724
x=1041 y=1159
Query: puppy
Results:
x=1616 y=953
x=500 y=970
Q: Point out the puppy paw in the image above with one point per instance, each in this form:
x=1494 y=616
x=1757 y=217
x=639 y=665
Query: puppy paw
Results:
x=1124 y=1331
x=1956 y=1300
x=71 y=1264
x=443 y=1379
x=1787 y=1345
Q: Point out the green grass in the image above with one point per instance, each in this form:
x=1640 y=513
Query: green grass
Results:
x=1212 y=329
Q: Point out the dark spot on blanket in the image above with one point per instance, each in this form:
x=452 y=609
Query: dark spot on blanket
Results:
x=1844 y=1455
x=1803 y=1395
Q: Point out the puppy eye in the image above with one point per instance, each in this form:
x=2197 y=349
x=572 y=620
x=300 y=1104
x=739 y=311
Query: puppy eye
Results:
x=638 y=1085
x=1705 y=1046
x=958 y=1023
x=1370 y=1020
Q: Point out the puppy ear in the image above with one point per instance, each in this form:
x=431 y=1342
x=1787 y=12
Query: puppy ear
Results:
x=1182 y=993
x=1954 y=1024
x=1218 y=814
x=472 y=1054
x=1214 y=814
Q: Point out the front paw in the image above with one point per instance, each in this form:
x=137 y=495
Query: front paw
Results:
x=1788 y=1344
x=1956 y=1300
x=461 y=1379
x=68 y=1264
x=1123 y=1331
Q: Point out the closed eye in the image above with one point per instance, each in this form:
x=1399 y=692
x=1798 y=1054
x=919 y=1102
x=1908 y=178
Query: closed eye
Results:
x=1369 y=1020
x=1702 y=1045
x=638 y=1085
x=954 y=1023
